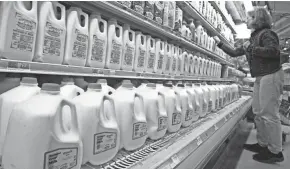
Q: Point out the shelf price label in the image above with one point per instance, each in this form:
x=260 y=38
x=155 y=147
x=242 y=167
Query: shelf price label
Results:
x=18 y=66
x=98 y=71
x=199 y=141
x=175 y=159
x=216 y=127
x=226 y=118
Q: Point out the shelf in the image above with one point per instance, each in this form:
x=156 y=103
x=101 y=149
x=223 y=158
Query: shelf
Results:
x=12 y=66
x=225 y=17
x=140 y=22
x=172 y=150
x=192 y=12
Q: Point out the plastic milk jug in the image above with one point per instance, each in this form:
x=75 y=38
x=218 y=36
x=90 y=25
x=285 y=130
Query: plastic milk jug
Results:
x=128 y=54
x=98 y=32
x=69 y=90
x=28 y=87
x=216 y=104
x=199 y=33
x=196 y=65
x=205 y=68
x=140 y=52
x=151 y=55
x=199 y=93
x=180 y=62
x=168 y=58
x=205 y=99
x=201 y=67
x=98 y=125
x=174 y=54
x=186 y=105
x=190 y=64
x=186 y=61
x=195 y=101
x=220 y=105
x=18 y=29
x=184 y=30
x=77 y=37
x=160 y=66
x=51 y=32
x=115 y=43
x=105 y=87
x=211 y=104
x=154 y=105
x=45 y=143
x=130 y=116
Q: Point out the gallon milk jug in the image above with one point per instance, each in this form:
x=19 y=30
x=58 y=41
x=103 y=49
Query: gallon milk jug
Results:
x=216 y=104
x=211 y=104
x=128 y=54
x=28 y=87
x=130 y=116
x=69 y=90
x=115 y=43
x=206 y=97
x=160 y=66
x=186 y=105
x=220 y=96
x=180 y=62
x=140 y=52
x=199 y=33
x=156 y=116
x=77 y=37
x=18 y=29
x=194 y=100
x=168 y=58
x=105 y=87
x=196 y=65
x=50 y=43
x=201 y=66
x=186 y=60
x=192 y=29
x=184 y=30
x=174 y=54
x=151 y=55
x=199 y=93
x=98 y=32
x=98 y=125
x=173 y=107
x=205 y=68
x=7 y=82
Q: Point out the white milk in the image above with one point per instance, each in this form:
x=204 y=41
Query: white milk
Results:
x=206 y=98
x=140 y=52
x=51 y=33
x=185 y=59
x=115 y=43
x=195 y=101
x=151 y=54
x=174 y=54
x=38 y=123
x=69 y=90
x=199 y=95
x=98 y=125
x=18 y=27
x=160 y=58
x=196 y=65
x=77 y=37
x=128 y=55
x=98 y=39
x=191 y=64
x=205 y=68
x=105 y=87
x=201 y=66
x=168 y=58
x=180 y=62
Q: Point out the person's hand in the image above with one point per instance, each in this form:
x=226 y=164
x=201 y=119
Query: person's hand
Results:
x=246 y=45
x=216 y=39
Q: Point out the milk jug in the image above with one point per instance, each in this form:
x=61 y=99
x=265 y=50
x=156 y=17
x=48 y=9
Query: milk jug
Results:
x=69 y=90
x=38 y=123
x=199 y=94
x=206 y=98
x=130 y=116
x=211 y=105
x=205 y=39
x=105 y=87
x=174 y=54
x=51 y=33
x=140 y=52
x=168 y=58
x=97 y=125
x=128 y=54
x=98 y=32
x=201 y=66
x=195 y=101
x=196 y=65
x=191 y=64
x=206 y=66
x=151 y=54
x=173 y=106
x=156 y=116
x=199 y=32
x=221 y=95
x=114 y=48
x=185 y=60
x=180 y=62
x=217 y=97
x=18 y=29
x=184 y=30
x=28 y=87
x=186 y=105
x=77 y=37
x=192 y=29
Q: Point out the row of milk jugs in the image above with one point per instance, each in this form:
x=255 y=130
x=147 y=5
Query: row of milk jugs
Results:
x=58 y=126
x=46 y=32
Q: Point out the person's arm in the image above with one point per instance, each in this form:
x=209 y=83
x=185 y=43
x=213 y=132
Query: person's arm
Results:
x=233 y=52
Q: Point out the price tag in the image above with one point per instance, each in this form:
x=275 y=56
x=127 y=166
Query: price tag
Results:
x=112 y=72
x=216 y=127
x=18 y=65
x=199 y=141
x=226 y=119
x=175 y=159
x=98 y=71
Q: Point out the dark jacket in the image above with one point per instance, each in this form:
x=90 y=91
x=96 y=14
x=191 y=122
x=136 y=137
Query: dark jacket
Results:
x=263 y=54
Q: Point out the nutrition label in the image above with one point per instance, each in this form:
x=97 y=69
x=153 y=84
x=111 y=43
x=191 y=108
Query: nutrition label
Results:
x=104 y=142
x=139 y=130
x=24 y=33
x=141 y=58
x=80 y=45
x=188 y=115
x=209 y=105
x=176 y=118
x=98 y=49
x=115 y=53
x=128 y=57
x=162 y=123
x=53 y=39
x=160 y=61
x=151 y=60
x=204 y=106
x=63 y=158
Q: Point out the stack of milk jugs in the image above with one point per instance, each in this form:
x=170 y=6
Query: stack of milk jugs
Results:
x=46 y=32
x=61 y=126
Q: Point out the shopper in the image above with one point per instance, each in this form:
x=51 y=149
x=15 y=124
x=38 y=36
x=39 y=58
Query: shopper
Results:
x=263 y=55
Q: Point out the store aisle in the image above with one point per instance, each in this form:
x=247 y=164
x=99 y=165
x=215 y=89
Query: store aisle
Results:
x=234 y=157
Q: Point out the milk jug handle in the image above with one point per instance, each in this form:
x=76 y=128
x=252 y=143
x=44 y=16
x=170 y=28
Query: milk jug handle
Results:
x=163 y=100
x=62 y=7
x=111 y=114
x=141 y=100
x=74 y=122
x=177 y=100
x=80 y=90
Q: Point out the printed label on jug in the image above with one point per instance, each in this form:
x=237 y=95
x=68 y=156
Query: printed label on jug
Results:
x=128 y=57
x=141 y=58
x=216 y=103
x=173 y=64
x=139 y=130
x=104 y=142
x=63 y=158
x=138 y=6
x=220 y=102
x=168 y=63
x=224 y=100
x=176 y=118
x=98 y=49
x=210 y=106
x=149 y=15
x=204 y=106
x=52 y=39
x=159 y=6
x=179 y=65
x=160 y=61
x=162 y=123
x=23 y=34
x=80 y=45
x=115 y=53
x=149 y=9
x=188 y=115
x=151 y=60
x=197 y=109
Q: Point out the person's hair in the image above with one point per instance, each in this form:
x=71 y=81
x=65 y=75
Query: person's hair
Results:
x=263 y=19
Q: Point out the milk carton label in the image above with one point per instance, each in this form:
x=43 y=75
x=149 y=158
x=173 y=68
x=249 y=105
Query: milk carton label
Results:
x=174 y=64
x=210 y=106
x=160 y=61
x=176 y=118
x=52 y=39
x=168 y=63
x=138 y=6
x=217 y=103
x=24 y=33
x=162 y=123
x=98 y=49
x=63 y=158
x=80 y=45
x=129 y=53
x=126 y=3
x=151 y=60
x=149 y=9
x=104 y=142
x=141 y=58
x=159 y=6
x=188 y=115
x=204 y=106
x=197 y=109
x=116 y=52
x=139 y=130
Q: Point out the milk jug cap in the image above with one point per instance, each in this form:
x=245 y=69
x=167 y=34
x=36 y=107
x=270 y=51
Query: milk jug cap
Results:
x=102 y=81
x=197 y=84
x=29 y=80
x=168 y=84
x=180 y=85
x=95 y=86
x=152 y=85
x=188 y=84
x=127 y=84
x=67 y=80
x=50 y=87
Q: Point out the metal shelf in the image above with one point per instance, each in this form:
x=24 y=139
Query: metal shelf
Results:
x=140 y=22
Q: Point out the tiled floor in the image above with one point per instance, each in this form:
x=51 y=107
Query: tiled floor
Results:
x=234 y=157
